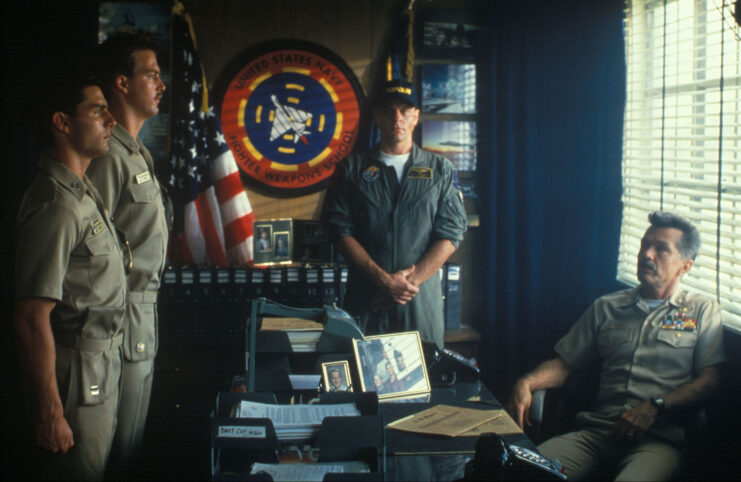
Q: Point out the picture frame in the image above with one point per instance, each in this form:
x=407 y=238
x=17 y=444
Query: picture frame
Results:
x=455 y=140
x=336 y=376
x=272 y=241
x=311 y=243
x=447 y=37
x=399 y=357
x=449 y=88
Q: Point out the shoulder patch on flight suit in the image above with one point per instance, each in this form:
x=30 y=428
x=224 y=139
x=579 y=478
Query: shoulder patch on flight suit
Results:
x=420 y=173
x=372 y=174
x=97 y=226
x=143 y=177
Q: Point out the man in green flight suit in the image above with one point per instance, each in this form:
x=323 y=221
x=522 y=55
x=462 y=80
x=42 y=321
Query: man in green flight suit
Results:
x=70 y=290
x=397 y=216
x=127 y=65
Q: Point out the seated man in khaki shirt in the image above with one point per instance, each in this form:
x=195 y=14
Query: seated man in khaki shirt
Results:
x=658 y=347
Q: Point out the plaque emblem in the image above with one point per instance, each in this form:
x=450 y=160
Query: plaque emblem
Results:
x=289 y=115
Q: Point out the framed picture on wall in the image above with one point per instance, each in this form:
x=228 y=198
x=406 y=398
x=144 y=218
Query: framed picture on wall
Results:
x=449 y=88
x=455 y=140
x=392 y=365
x=449 y=39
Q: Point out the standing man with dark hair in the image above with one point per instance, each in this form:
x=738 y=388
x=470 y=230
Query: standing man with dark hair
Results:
x=70 y=290
x=658 y=347
x=397 y=216
x=125 y=177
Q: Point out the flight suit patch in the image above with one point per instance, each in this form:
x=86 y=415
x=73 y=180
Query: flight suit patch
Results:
x=143 y=177
x=372 y=174
x=97 y=226
x=420 y=173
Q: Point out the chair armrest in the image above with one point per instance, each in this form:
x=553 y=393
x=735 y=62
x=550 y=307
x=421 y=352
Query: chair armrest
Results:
x=536 y=408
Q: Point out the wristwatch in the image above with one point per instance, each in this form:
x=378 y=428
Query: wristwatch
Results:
x=659 y=403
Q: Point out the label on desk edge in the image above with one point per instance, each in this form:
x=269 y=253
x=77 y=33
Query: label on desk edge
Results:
x=241 y=431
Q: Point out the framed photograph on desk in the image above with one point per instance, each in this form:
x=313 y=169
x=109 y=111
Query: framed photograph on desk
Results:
x=392 y=365
x=336 y=376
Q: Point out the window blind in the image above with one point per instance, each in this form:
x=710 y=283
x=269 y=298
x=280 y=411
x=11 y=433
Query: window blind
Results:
x=682 y=141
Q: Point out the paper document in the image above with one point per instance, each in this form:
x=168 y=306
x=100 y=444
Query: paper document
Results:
x=290 y=324
x=502 y=424
x=296 y=415
x=295 y=422
x=444 y=420
x=299 y=472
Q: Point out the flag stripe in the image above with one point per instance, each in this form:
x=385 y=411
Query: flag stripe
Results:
x=228 y=187
x=235 y=208
x=194 y=240
x=212 y=251
x=239 y=230
x=241 y=251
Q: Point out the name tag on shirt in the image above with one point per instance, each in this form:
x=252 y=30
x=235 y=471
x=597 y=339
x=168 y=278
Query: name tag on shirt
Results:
x=143 y=177
x=420 y=173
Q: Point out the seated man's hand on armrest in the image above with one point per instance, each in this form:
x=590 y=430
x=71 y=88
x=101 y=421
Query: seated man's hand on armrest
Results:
x=549 y=374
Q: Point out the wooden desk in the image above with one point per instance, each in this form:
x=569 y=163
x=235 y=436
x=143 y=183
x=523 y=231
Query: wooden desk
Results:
x=465 y=341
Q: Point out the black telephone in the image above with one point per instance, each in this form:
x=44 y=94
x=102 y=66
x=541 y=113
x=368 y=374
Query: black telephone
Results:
x=497 y=460
x=445 y=367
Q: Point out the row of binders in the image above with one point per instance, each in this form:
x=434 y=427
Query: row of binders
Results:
x=206 y=300
x=301 y=286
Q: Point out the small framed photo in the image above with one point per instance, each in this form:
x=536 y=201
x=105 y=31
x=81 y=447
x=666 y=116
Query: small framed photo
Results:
x=392 y=365
x=264 y=241
x=273 y=241
x=282 y=245
x=336 y=376
x=309 y=253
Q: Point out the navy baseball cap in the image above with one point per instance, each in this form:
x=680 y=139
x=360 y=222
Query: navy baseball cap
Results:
x=397 y=90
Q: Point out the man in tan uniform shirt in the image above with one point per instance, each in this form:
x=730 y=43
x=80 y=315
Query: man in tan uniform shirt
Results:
x=70 y=291
x=125 y=178
x=658 y=347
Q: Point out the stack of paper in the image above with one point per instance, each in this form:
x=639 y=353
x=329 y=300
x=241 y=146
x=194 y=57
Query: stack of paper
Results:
x=308 y=471
x=453 y=421
x=295 y=422
x=302 y=334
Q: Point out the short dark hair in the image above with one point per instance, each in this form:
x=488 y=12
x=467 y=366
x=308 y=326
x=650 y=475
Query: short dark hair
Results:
x=65 y=96
x=689 y=243
x=115 y=56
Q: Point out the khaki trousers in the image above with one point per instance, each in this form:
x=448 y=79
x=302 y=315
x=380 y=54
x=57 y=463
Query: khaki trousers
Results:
x=595 y=453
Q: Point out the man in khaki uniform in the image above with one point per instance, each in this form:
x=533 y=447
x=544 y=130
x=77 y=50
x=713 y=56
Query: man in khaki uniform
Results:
x=70 y=291
x=126 y=181
x=658 y=347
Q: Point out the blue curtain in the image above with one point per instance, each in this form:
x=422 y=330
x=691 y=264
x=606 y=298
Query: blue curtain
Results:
x=551 y=196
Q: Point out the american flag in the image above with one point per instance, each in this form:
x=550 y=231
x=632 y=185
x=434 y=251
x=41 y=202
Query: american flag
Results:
x=213 y=217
